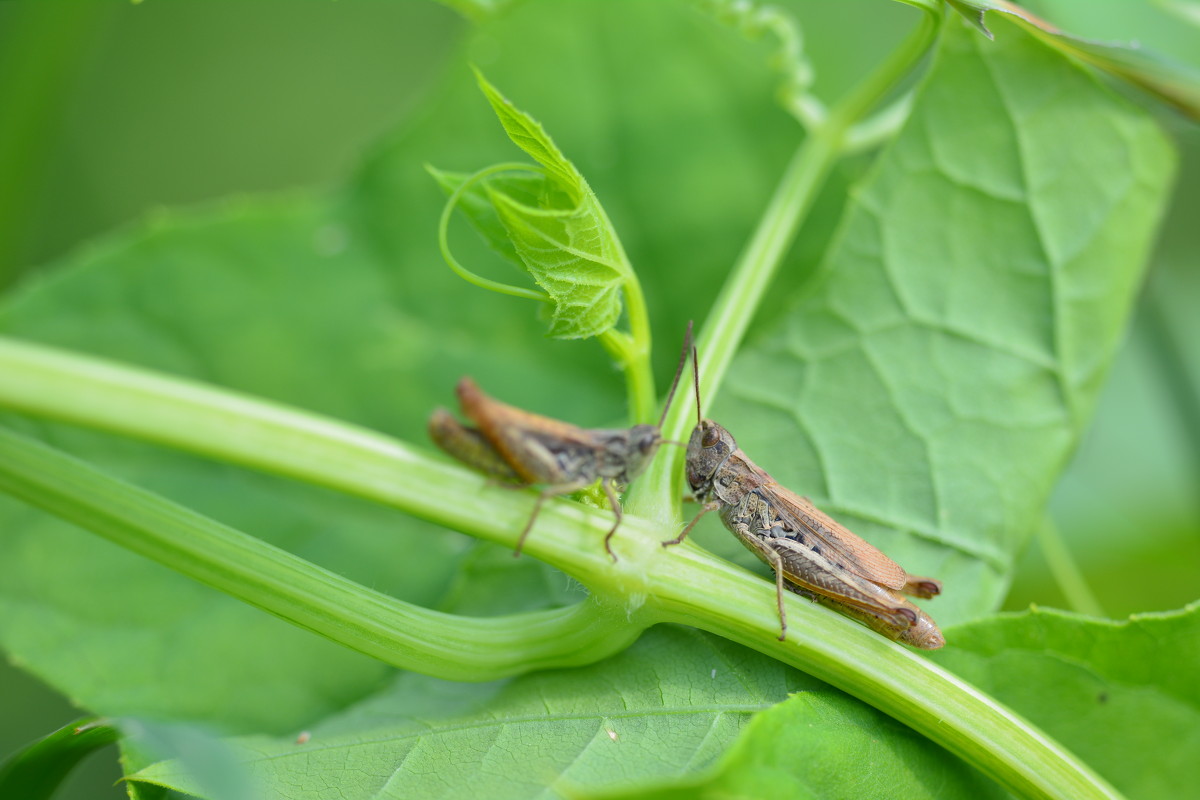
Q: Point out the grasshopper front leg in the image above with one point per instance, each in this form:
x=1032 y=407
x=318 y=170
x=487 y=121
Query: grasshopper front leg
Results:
x=711 y=505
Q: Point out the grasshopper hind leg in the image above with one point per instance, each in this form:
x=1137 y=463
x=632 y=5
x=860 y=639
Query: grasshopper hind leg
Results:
x=469 y=446
x=777 y=565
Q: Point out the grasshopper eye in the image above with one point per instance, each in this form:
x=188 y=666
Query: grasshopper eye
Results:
x=711 y=437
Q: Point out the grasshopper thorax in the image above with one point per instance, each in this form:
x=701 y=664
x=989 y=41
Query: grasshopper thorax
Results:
x=708 y=450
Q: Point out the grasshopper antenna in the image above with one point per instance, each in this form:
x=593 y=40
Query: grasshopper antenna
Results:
x=696 y=372
x=687 y=344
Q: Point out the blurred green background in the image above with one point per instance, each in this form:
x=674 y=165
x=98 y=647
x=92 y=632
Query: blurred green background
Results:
x=109 y=110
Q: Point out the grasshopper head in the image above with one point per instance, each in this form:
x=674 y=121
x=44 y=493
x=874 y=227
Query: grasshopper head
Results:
x=637 y=448
x=709 y=447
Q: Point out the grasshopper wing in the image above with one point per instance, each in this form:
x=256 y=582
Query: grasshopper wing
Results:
x=811 y=527
x=539 y=449
x=469 y=446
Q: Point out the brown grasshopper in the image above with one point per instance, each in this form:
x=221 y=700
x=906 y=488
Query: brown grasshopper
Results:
x=812 y=555
x=522 y=449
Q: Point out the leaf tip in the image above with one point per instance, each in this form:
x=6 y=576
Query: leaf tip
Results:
x=445 y=180
x=489 y=90
x=973 y=14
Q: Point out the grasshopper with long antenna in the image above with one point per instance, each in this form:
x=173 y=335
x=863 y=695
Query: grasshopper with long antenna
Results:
x=811 y=554
x=522 y=449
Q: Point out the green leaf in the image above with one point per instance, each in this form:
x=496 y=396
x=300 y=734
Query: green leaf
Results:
x=572 y=256
x=1121 y=695
x=824 y=745
x=554 y=224
x=35 y=771
x=668 y=705
x=928 y=390
x=529 y=135
x=208 y=760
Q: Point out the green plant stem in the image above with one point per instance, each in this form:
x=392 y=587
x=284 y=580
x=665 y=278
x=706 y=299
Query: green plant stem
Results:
x=635 y=360
x=747 y=285
x=639 y=375
x=648 y=585
x=654 y=494
x=633 y=357
x=1066 y=572
x=879 y=128
x=398 y=633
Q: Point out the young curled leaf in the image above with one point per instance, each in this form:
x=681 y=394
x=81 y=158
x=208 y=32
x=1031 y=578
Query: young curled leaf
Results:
x=573 y=256
x=548 y=220
x=475 y=204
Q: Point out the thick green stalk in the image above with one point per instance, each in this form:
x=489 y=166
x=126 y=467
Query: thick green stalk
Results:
x=648 y=585
x=399 y=633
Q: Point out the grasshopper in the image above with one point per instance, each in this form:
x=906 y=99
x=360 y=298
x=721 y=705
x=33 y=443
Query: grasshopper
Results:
x=811 y=554
x=521 y=449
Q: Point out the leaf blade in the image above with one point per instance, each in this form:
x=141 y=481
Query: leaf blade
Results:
x=930 y=385
x=395 y=739
x=35 y=771
x=1120 y=694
